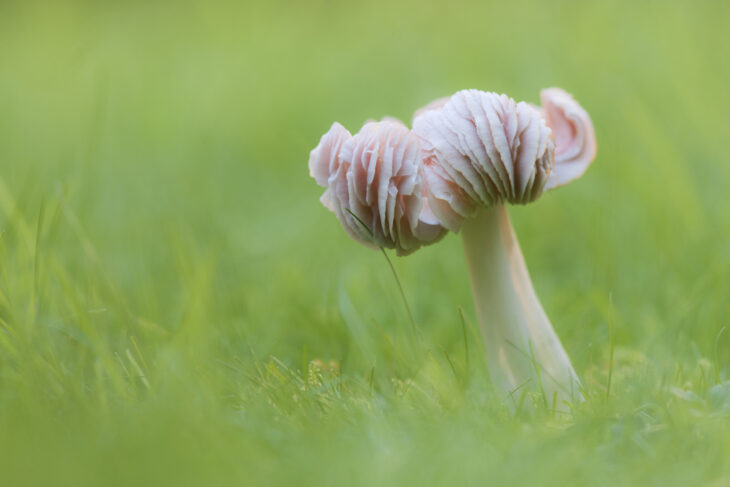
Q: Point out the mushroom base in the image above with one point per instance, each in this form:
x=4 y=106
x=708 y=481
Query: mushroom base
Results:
x=523 y=351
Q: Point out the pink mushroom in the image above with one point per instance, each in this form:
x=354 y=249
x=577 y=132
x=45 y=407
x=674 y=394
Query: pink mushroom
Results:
x=468 y=156
x=481 y=151
x=374 y=185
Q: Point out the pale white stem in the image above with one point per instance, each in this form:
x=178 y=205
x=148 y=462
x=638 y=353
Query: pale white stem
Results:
x=522 y=348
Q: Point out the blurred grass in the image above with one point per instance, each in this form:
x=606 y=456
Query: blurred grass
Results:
x=172 y=293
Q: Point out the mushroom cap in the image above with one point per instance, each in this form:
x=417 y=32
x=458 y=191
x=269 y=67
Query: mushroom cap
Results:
x=396 y=188
x=482 y=149
x=374 y=185
x=575 y=138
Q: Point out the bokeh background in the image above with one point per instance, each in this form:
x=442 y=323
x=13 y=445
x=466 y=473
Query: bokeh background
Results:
x=177 y=307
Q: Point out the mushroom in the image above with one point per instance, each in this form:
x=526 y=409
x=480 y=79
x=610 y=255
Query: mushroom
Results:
x=466 y=157
x=483 y=150
x=374 y=185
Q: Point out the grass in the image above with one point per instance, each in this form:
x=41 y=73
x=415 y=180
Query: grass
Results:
x=176 y=307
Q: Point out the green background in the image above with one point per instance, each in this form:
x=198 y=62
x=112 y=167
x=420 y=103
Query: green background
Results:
x=177 y=308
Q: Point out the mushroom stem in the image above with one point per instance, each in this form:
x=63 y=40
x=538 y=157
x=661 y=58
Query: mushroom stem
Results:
x=523 y=351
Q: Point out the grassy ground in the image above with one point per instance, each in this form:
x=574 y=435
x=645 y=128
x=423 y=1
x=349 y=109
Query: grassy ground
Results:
x=177 y=308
